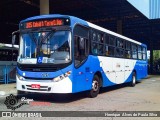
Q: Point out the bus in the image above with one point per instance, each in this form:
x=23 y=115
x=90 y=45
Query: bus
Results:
x=65 y=54
x=8 y=61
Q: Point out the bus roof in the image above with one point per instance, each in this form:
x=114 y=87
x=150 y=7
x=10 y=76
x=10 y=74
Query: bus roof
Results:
x=75 y=20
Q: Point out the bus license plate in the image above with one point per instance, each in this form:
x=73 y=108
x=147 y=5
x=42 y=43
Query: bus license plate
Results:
x=35 y=86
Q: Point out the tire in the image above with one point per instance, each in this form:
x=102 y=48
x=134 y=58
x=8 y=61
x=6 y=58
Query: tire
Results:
x=133 y=82
x=95 y=87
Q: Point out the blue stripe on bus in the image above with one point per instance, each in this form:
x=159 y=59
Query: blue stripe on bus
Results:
x=39 y=74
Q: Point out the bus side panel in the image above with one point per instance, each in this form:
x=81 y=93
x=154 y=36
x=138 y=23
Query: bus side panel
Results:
x=83 y=75
x=105 y=67
x=116 y=70
x=108 y=74
x=141 y=69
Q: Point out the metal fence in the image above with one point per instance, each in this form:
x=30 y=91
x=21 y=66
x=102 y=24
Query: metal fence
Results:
x=7 y=73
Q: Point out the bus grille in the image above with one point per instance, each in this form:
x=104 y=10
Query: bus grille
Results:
x=38 y=69
x=42 y=67
x=33 y=78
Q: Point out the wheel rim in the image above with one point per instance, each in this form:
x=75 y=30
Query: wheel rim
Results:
x=134 y=79
x=95 y=86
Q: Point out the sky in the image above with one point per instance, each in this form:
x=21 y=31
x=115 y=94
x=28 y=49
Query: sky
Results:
x=142 y=6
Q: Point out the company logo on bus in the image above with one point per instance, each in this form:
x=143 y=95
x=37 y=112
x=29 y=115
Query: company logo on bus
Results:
x=45 y=75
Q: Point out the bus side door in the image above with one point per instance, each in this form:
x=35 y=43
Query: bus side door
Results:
x=81 y=51
x=81 y=64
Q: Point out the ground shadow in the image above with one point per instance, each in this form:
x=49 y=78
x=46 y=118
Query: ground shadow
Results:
x=66 y=98
x=54 y=98
x=115 y=87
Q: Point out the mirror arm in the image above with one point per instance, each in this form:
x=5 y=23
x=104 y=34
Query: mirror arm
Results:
x=17 y=31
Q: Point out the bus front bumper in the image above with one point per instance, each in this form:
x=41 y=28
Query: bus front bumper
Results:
x=44 y=86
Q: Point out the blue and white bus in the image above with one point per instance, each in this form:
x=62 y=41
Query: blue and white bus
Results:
x=8 y=61
x=65 y=54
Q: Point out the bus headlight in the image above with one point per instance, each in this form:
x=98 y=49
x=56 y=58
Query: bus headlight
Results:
x=20 y=77
x=61 y=77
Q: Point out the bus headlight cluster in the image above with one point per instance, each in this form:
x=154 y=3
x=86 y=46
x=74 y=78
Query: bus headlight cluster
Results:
x=20 y=77
x=61 y=77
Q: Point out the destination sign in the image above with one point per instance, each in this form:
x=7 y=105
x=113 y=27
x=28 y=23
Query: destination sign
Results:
x=44 y=23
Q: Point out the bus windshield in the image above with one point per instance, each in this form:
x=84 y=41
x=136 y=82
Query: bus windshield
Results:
x=53 y=46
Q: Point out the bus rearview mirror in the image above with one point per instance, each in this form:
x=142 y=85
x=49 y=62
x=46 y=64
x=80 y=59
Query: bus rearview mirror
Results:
x=14 y=35
x=13 y=39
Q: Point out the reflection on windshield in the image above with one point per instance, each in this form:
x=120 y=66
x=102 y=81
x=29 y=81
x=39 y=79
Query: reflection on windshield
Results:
x=52 y=47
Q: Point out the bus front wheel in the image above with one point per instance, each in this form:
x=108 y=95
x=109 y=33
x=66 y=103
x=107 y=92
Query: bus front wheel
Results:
x=95 y=87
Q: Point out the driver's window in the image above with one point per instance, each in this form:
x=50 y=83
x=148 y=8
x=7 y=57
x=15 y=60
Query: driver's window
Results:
x=81 y=45
x=80 y=52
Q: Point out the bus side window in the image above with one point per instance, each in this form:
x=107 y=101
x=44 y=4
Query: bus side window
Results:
x=127 y=54
x=107 y=39
x=134 y=51
x=127 y=50
x=140 y=52
x=107 y=50
x=119 y=52
x=109 y=47
x=94 y=37
x=119 y=43
x=111 y=51
x=81 y=44
x=94 y=48
x=100 y=38
x=144 y=53
x=112 y=40
x=100 y=49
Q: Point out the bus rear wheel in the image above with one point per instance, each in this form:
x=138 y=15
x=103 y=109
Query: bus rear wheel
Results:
x=95 y=87
x=133 y=82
